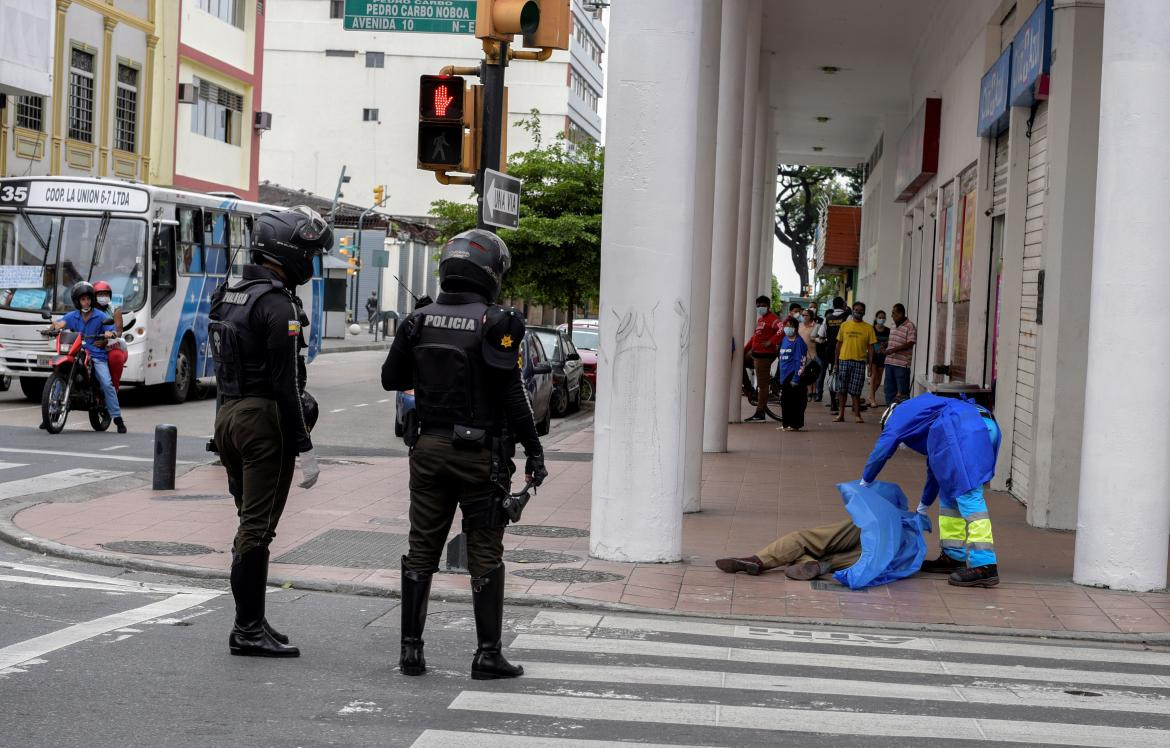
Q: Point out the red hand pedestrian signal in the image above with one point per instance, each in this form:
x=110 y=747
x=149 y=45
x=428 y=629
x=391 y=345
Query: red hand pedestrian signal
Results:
x=443 y=99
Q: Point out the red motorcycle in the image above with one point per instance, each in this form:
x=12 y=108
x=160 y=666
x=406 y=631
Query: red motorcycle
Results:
x=72 y=385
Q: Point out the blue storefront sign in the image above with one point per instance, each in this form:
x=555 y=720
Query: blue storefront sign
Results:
x=1031 y=54
x=993 y=96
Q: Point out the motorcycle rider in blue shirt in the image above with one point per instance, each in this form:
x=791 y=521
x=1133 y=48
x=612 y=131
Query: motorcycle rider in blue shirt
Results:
x=94 y=325
x=960 y=440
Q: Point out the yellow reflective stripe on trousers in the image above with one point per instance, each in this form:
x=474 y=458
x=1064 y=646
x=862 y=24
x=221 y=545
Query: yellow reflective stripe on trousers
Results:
x=978 y=531
x=952 y=528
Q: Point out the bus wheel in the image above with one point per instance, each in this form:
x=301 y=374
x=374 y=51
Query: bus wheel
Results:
x=179 y=390
x=32 y=387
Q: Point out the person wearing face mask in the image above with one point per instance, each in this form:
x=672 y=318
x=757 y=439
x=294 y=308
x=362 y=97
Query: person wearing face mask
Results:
x=882 y=333
x=97 y=327
x=117 y=348
x=855 y=341
x=793 y=352
x=827 y=345
x=765 y=344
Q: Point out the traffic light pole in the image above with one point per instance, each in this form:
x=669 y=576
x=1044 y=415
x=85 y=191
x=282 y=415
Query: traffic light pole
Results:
x=494 y=116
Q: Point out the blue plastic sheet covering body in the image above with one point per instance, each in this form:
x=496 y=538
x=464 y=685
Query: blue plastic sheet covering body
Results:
x=892 y=546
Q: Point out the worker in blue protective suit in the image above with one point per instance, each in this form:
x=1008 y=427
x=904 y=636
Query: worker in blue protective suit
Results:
x=960 y=440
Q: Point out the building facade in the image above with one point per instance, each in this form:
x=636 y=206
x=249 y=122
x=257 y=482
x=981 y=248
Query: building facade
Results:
x=92 y=119
x=1014 y=202
x=351 y=98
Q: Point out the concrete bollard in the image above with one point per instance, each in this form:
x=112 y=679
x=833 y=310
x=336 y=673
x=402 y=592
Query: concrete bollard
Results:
x=166 y=444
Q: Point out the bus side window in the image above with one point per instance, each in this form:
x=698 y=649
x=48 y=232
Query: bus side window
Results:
x=240 y=242
x=162 y=267
x=190 y=241
x=215 y=236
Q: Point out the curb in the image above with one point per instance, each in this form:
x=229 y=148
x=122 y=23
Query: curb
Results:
x=351 y=348
x=13 y=535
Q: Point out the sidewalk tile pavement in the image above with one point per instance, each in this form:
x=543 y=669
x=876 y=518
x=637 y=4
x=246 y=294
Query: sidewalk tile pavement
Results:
x=769 y=483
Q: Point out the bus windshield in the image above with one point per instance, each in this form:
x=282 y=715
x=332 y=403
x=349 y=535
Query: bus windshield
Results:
x=42 y=256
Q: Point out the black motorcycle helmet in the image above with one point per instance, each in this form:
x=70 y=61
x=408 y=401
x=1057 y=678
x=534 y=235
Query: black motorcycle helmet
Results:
x=475 y=260
x=82 y=288
x=291 y=239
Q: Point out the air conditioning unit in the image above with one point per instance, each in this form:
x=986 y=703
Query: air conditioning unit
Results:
x=263 y=121
x=188 y=93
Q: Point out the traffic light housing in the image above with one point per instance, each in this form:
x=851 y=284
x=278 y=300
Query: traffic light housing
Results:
x=555 y=27
x=379 y=194
x=503 y=19
x=441 y=109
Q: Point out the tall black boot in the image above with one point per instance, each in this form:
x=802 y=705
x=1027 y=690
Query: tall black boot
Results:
x=250 y=636
x=416 y=592
x=487 y=596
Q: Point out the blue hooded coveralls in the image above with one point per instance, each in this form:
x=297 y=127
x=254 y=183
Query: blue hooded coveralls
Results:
x=960 y=441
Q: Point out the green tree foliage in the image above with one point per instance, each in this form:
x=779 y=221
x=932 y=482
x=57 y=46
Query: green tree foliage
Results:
x=556 y=251
x=800 y=193
x=777 y=302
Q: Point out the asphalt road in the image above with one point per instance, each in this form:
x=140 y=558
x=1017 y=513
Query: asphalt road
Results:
x=92 y=657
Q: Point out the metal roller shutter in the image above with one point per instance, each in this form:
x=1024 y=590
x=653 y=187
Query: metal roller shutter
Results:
x=999 y=184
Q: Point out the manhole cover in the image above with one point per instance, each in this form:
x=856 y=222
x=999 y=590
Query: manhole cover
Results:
x=825 y=585
x=548 y=531
x=192 y=497
x=569 y=575
x=539 y=557
x=351 y=549
x=157 y=548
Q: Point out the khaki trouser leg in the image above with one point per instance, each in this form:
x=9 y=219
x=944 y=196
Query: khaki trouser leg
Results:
x=763 y=374
x=838 y=544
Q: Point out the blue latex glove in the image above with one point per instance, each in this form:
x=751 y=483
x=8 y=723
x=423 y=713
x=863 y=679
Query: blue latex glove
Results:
x=923 y=518
x=863 y=484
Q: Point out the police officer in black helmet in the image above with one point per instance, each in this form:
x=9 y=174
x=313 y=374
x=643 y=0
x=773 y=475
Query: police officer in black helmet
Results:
x=461 y=355
x=264 y=414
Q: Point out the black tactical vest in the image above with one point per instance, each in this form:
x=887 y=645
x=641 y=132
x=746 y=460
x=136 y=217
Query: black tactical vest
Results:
x=241 y=363
x=451 y=379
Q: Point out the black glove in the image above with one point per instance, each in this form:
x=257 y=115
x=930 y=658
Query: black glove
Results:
x=534 y=468
x=422 y=301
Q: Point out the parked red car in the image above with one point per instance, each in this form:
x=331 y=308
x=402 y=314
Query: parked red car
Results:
x=587 y=339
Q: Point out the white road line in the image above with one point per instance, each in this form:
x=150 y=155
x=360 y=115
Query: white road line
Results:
x=337 y=410
x=128 y=585
x=55 y=481
x=111 y=449
x=85 y=455
x=32 y=649
x=846 y=662
x=448 y=738
x=38 y=582
x=1005 y=695
x=384 y=401
x=875 y=640
x=361 y=405
x=8 y=465
x=808 y=721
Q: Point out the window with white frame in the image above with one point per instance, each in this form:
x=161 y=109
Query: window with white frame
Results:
x=81 y=95
x=126 y=109
x=369 y=115
x=30 y=112
x=375 y=59
x=583 y=90
x=337 y=8
x=218 y=113
x=228 y=11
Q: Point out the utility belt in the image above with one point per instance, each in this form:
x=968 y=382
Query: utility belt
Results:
x=494 y=509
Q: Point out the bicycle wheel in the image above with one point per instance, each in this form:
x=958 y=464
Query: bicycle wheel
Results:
x=772 y=407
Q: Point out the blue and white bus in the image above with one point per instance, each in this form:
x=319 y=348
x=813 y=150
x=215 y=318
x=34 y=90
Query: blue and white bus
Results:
x=162 y=250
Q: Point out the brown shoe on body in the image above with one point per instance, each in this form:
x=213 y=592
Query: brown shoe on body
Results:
x=806 y=570
x=749 y=565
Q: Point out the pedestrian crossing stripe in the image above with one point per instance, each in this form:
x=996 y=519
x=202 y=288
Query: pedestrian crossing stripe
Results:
x=824 y=660
x=869 y=724
x=8 y=465
x=907 y=642
x=56 y=481
x=625 y=671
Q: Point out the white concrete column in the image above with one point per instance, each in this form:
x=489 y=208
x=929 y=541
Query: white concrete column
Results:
x=725 y=226
x=755 y=245
x=701 y=253
x=640 y=428
x=1123 y=520
x=747 y=175
x=768 y=206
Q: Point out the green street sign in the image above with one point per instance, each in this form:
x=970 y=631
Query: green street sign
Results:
x=381 y=258
x=425 y=16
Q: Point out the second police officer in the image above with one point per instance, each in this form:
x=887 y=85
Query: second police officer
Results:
x=264 y=414
x=461 y=354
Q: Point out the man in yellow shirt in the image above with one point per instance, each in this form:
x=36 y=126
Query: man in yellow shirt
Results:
x=855 y=341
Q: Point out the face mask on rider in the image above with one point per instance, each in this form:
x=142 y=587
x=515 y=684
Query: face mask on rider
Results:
x=761 y=311
x=103 y=300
